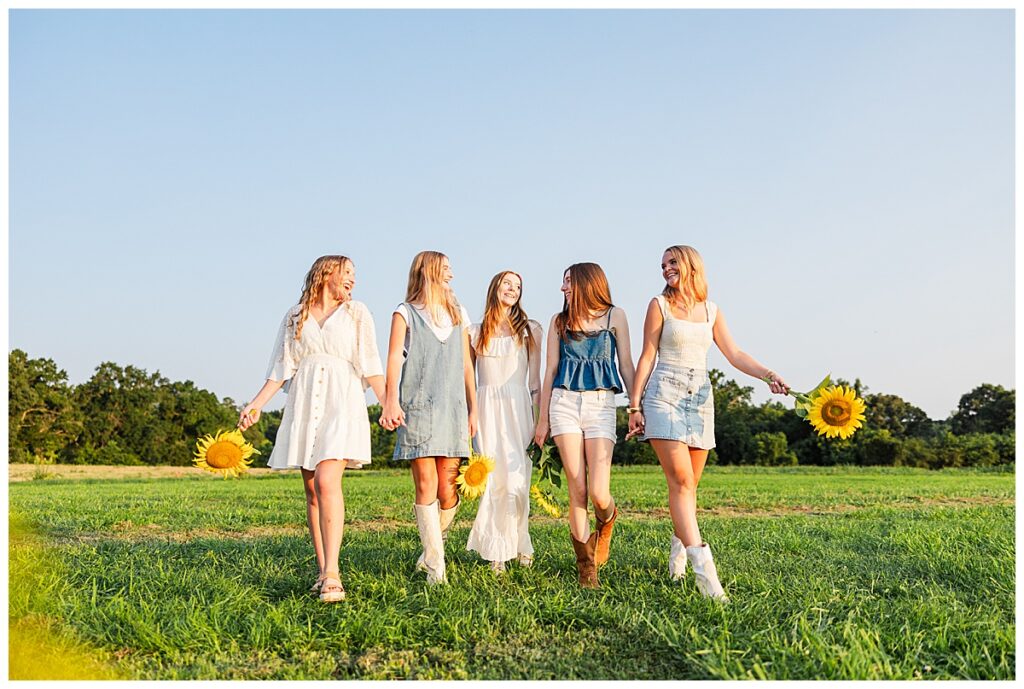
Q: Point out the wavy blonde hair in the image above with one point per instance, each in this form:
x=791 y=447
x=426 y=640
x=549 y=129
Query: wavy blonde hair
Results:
x=693 y=284
x=426 y=284
x=518 y=321
x=590 y=294
x=314 y=285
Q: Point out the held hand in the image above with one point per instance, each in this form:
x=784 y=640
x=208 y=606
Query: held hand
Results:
x=777 y=385
x=248 y=417
x=541 y=434
x=636 y=424
x=392 y=416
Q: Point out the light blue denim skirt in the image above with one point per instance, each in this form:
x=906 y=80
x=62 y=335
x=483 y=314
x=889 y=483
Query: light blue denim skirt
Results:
x=679 y=405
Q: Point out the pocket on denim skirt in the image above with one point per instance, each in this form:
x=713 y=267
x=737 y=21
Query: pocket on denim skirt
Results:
x=417 y=426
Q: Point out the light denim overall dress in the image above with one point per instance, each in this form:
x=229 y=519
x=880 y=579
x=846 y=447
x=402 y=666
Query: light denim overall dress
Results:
x=432 y=394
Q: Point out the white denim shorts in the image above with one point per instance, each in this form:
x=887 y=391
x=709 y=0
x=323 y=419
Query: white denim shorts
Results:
x=590 y=413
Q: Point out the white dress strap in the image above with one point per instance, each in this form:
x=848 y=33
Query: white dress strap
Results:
x=666 y=313
x=712 y=310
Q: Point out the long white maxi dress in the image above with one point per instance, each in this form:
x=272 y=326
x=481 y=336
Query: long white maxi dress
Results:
x=326 y=370
x=506 y=428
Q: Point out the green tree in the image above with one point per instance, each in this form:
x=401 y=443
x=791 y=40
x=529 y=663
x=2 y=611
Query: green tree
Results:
x=43 y=419
x=892 y=413
x=985 y=409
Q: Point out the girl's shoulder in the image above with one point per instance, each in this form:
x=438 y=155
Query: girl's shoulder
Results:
x=358 y=308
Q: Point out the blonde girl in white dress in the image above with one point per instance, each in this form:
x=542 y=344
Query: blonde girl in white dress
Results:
x=325 y=357
x=506 y=353
x=672 y=405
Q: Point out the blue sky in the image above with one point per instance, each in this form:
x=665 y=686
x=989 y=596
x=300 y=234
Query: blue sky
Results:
x=847 y=176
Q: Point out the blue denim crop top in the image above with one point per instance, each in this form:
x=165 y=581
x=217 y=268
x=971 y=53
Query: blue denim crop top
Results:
x=589 y=362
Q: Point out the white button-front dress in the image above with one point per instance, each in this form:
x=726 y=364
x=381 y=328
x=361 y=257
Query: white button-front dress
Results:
x=326 y=370
x=500 y=531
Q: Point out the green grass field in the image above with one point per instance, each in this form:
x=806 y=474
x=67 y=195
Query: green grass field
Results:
x=837 y=574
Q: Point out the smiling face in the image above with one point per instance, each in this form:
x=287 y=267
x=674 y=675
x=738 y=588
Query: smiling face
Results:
x=446 y=273
x=342 y=281
x=670 y=269
x=509 y=289
x=567 y=285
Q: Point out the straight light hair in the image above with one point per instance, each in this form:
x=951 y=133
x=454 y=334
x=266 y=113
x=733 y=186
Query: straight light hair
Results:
x=426 y=285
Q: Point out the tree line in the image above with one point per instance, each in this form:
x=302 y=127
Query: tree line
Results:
x=125 y=415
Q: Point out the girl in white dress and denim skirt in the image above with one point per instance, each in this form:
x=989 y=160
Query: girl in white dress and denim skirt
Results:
x=677 y=412
x=326 y=355
x=577 y=404
x=506 y=352
x=431 y=399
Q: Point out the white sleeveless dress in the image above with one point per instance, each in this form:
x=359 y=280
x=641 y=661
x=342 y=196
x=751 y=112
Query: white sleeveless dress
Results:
x=678 y=402
x=500 y=532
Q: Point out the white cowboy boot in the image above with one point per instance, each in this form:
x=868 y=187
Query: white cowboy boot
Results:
x=677 y=559
x=447 y=517
x=428 y=521
x=704 y=569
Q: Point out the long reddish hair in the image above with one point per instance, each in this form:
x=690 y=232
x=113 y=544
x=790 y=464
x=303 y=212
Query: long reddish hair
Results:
x=590 y=294
x=314 y=285
x=518 y=322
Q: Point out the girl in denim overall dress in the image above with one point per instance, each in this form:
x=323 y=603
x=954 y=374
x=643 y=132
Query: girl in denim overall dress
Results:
x=578 y=406
x=431 y=399
x=677 y=415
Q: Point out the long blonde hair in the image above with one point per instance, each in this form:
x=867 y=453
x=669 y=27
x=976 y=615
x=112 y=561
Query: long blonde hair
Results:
x=314 y=285
x=426 y=284
x=590 y=294
x=517 y=319
x=693 y=284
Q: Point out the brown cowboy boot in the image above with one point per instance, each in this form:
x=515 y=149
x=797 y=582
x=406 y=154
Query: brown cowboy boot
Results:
x=604 y=536
x=585 y=566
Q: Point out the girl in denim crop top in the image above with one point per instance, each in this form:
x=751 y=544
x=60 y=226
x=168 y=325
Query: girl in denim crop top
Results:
x=577 y=405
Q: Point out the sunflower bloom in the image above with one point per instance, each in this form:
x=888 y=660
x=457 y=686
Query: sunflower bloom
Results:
x=472 y=478
x=836 y=411
x=545 y=501
x=227 y=453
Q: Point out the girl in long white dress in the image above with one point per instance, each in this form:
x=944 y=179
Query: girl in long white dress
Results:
x=325 y=357
x=506 y=353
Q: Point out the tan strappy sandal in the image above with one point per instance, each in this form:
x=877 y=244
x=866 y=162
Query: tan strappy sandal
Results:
x=331 y=590
x=315 y=588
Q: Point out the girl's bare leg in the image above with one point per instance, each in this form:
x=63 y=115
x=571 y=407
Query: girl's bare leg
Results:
x=447 y=471
x=327 y=481
x=570 y=449
x=599 y=473
x=313 y=517
x=677 y=462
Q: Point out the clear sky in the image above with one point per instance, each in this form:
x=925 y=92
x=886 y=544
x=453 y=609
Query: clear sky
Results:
x=847 y=176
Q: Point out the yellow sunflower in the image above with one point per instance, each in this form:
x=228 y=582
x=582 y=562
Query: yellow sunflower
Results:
x=836 y=411
x=545 y=500
x=228 y=453
x=472 y=478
